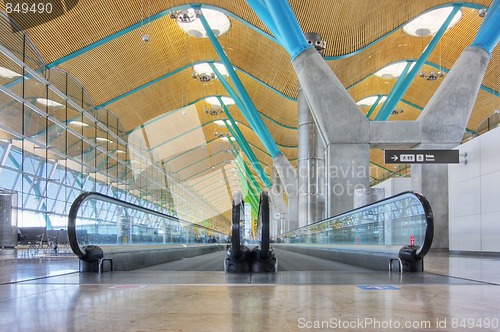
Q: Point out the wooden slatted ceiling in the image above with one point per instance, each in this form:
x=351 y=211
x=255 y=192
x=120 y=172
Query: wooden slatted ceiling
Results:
x=93 y=20
x=349 y=25
x=126 y=63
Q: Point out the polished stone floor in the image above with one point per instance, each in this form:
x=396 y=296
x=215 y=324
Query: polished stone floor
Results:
x=44 y=292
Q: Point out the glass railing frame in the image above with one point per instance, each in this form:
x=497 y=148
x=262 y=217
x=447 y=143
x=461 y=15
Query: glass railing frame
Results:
x=418 y=251
x=91 y=253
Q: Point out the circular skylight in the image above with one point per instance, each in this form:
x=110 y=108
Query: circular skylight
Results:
x=393 y=70
x=369 y=101
x=215 y=102
x=218 y=21
x=429 y=23
x=204 y=68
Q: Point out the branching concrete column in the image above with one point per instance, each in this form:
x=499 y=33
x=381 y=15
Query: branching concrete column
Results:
x=442 y=124
x=347 y=170
x=343 y=127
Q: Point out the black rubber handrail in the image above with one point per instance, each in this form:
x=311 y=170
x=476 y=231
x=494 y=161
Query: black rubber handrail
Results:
x=429 y=229
x=264 y=222
x=85 y=196
x=238 y=207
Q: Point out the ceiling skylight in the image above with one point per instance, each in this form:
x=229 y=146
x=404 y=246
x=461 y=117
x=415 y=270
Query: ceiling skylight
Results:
x=7 y=73
x=369 y=101
x=49 y=102
x=218 y=21
x=222 y=124
x=102 y=140
x=429 y=23
x=204 y=68
x=393 y=70
x=215 y=102
x=78 y=124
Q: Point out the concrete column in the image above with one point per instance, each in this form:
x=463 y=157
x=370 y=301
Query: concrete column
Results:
x=289 y=179
x=278 y=206
x=432 y=181
x=311 y=167
x=443 y=123
x=311 y=155
x=347 y=169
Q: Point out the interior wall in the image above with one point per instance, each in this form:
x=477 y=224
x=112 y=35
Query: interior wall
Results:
x=394 y=186
x=474 y=196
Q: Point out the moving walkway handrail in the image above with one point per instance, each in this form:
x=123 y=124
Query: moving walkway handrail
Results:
x=238 y=207
x=429 y=230
x=418 y=251
x=264 y=222
x=81 y=252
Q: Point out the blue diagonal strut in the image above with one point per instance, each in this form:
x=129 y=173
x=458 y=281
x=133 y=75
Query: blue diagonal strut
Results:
x=391 y=103
x=235 y=131
x=385 y=111
x=253 y=115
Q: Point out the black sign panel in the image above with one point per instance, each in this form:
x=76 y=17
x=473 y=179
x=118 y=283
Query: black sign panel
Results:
x=421 y=156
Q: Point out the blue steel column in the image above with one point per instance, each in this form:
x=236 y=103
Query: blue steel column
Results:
x=343 y=127
x=488 y=35
x=283 y=22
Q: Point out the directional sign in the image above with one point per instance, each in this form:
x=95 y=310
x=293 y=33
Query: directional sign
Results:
x=421 y=156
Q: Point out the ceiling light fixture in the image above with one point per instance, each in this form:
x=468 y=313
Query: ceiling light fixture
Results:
x=214 y=111
x=431 y=76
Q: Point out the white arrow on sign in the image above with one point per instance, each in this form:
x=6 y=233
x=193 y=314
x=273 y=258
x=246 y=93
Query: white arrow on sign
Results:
x=394 y=158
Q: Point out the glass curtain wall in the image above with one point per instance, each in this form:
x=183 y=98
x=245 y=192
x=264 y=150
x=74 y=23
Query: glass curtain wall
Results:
x=54 y=144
